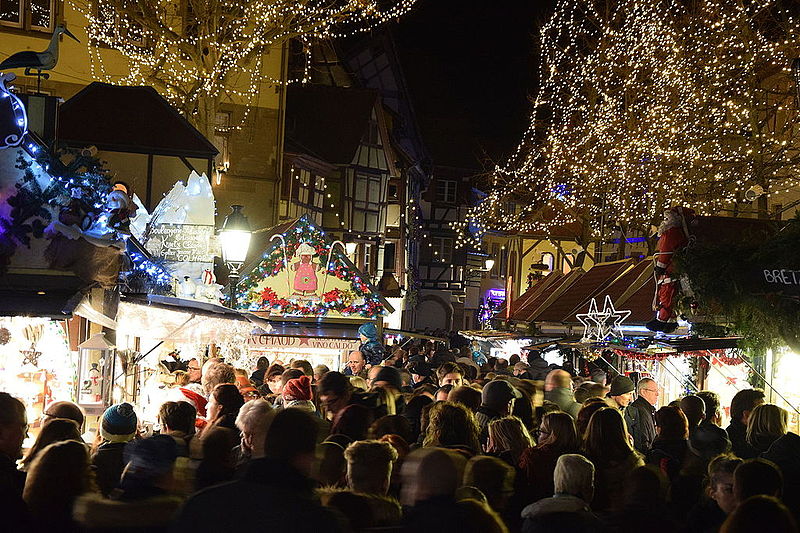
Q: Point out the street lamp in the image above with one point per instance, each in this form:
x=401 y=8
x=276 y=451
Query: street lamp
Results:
x=350 y=248
x=235 y=241
x=488 y=265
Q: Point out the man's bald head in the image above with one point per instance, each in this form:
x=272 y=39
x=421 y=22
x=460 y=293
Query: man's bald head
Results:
x=557 y=379
x=356 y=361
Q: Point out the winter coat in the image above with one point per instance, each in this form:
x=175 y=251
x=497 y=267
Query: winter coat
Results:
x=737 y=433
x=439 y=515
x=565 y=400
x=483 y=416
x=272 y=496
x=539 y=463
x=610 y=479
x=13 y=511
x=539 y=368
x=561 y=512
x=108 y=463
x=96 y=514
x=785 y=452
x=668 y=456
x=641 y=422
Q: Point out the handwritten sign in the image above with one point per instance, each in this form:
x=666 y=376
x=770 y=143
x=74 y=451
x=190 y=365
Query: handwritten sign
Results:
x=182 y=242
x=783 y=280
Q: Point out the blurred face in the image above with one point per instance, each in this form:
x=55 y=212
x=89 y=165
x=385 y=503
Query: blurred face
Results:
x=722 y=492
x=212 y=408
x=650 y=393
x=274 y=384
x=624 y=399
x=194 y=371
x=453 y=378
x=441 y=396
x=11 y=437
x=333 y=403
x=356 y=362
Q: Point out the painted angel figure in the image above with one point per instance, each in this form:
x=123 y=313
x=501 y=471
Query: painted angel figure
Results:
x=305 y=277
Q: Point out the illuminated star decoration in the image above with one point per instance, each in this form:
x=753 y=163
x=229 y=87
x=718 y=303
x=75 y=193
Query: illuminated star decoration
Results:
x=599 y=325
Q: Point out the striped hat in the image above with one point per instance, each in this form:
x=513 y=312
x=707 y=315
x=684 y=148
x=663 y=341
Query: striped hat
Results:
x=119 y=423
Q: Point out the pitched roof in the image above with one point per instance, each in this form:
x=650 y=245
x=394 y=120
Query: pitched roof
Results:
x=327 y=122
x=129 y=119
x=543 y=294
x=626 y=291
x=586 y=286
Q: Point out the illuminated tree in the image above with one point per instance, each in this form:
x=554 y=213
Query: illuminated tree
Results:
x=643 y=105
x=198 y=53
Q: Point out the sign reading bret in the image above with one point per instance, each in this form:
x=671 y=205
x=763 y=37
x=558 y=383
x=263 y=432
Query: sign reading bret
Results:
x=781 y=279
x=182 y=242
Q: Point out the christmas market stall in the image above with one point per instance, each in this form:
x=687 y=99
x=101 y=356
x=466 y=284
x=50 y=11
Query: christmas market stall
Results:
x=62 y=227
x=320 y=306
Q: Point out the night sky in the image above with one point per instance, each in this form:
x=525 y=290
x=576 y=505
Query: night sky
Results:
x=471 y=68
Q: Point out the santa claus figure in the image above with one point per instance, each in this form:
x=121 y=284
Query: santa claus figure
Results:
x=673 y=234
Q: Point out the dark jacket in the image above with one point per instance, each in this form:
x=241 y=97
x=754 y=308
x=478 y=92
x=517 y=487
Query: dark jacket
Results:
x=257 y=377
x=108 y=462
x=610 y=479
x=272 y=496
x=539 y=368
x=785 y=452
x=737 y=433
x=561 y=512
x=640 y=418
x=668 y=456
x=13 y=511
x=439 y=515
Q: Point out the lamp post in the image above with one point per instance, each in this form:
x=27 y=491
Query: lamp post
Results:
x=235 y=240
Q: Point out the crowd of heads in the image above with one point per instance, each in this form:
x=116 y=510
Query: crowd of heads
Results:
x=433 y=439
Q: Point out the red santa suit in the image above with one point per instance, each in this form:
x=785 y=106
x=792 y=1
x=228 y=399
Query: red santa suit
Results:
x=673 y=235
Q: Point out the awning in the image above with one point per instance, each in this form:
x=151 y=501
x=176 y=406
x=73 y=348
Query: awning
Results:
x=40 y=295
x=177 y=319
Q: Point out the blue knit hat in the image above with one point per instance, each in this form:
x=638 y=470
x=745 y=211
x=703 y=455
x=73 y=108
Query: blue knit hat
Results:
x=368 y=330
x=119 y=423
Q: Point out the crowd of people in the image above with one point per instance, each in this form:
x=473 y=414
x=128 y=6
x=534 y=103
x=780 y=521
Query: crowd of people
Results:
x=430 y=440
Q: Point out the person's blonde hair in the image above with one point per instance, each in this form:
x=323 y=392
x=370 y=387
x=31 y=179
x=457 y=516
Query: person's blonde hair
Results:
x=509 y=434
x=766 y=424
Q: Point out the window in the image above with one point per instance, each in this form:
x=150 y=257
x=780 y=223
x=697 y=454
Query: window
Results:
x=367 y=249
x=549 y=260
x=367 y=198
x=503 y=262
x=446 y=191
x=389 y=251
x=567 y=262
x=442 y=249
x=495 y=254
x=35 y=15
x=393 y=192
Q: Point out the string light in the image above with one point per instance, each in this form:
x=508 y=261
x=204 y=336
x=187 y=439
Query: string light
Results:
x=648 y=105
x=197 y=53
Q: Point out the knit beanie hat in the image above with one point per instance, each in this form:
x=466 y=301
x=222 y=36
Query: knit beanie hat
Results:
x=390 y=375
x=149 y=458
x=368 y=330
x=297 y=389
x=119 y=423
x=621 y=385
x=420 y=368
